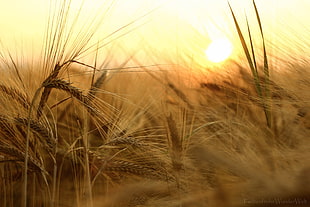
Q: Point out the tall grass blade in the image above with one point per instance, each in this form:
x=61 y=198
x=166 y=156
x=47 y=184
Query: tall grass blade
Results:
x=247 y=53
x=266 y=69
x=245 y=48
x=252 y=48
x=264 y=97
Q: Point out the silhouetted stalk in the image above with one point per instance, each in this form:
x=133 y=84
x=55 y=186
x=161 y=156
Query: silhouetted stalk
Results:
x=262 y=87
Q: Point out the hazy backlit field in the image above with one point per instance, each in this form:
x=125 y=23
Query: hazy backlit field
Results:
x=154 y=103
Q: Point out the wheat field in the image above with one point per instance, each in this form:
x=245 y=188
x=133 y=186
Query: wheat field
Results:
x=77 y=134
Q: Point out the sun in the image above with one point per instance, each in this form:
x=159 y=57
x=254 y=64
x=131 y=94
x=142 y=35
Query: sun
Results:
x=219 y=50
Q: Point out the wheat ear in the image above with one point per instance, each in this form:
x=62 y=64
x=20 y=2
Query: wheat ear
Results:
x=15 y=94
x=34 y=164
x=74 y=91
x=94 y=88
x=42 y=131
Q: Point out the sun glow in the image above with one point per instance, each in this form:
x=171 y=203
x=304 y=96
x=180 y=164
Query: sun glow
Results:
x=219 y=50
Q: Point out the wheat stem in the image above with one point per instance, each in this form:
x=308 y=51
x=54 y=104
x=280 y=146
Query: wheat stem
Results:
x=24 y=199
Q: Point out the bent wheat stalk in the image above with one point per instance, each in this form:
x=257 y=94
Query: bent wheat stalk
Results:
x=46 y=92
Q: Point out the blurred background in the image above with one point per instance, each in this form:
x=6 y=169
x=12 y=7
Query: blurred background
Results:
x=161 y=31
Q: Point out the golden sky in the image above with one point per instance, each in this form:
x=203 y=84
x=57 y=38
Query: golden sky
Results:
x=169 y=28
